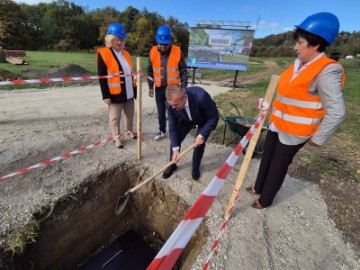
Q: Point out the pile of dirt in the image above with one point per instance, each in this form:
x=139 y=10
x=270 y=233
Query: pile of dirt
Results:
x=57 y=72
x=6 y=75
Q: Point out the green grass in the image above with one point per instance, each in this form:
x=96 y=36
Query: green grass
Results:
x=352 y=98
x=283 y=62
x=45 y=60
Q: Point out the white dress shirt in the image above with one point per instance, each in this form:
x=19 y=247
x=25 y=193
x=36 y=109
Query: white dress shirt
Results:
x=126 y=71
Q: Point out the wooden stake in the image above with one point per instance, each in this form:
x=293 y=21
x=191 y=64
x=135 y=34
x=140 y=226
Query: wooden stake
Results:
x=139 y=110
x=250 y=149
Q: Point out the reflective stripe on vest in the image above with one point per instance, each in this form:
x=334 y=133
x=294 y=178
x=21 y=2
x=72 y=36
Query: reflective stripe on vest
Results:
x=173 y=74
x=295 y=111
x=297 y=119
x=304 y=104
x=114 y=83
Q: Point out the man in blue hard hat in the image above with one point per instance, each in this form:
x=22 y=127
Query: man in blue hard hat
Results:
x=308 y=105
x=166 y=66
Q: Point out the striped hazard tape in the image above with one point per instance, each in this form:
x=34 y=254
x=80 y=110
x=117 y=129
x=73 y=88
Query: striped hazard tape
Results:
x=68 y=79
x=172 y=249
x=63 y=156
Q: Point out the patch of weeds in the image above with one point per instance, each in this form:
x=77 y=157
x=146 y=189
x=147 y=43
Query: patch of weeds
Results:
x=16 y=243
x=33 y=230
x=18 y=240
x=319 y=163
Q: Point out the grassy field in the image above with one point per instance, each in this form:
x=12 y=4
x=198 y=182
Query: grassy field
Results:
x=45 y=60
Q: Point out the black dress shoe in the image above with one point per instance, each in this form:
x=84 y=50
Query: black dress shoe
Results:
x=168 y=172
x=195 y=175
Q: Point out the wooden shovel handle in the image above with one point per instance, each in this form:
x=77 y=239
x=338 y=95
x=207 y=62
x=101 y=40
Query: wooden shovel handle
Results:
x=182 y=153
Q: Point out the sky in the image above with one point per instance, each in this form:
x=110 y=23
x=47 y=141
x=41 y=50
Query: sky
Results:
x=266 y=16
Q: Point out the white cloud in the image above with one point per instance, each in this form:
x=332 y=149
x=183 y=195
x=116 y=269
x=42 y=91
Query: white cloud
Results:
x=288 y=28
x=33 y=2
x=274 y=27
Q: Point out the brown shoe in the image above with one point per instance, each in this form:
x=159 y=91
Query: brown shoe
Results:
x=257 y=205
x=251 y=190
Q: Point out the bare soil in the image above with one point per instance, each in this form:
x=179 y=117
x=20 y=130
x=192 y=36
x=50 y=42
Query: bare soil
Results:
x=313 y=224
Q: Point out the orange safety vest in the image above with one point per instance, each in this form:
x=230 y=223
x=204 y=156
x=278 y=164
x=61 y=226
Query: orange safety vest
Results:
x=173 y=74
x=295 y=111
x=114 y=83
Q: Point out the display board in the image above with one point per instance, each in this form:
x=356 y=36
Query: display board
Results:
x=220 y=48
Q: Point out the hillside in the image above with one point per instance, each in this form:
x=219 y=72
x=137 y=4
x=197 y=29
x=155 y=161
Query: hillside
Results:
x=282 y=45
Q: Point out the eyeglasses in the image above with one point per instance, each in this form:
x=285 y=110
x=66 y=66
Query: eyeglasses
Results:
x=164 y=44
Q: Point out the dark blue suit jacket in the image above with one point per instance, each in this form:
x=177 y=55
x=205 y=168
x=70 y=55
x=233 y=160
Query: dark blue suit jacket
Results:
x=203 y=112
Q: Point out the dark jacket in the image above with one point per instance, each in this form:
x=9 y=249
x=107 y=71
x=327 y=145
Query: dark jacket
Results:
x=203 y=112
x=164 y=60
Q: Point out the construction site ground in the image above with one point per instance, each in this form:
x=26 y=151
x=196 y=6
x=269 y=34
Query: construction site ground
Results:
x=297 y=232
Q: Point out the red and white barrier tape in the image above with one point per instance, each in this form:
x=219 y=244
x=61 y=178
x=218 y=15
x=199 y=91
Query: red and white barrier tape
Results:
x=172 y=249
x=65 y=79
x=264 y=106
x=147 y=76
x=68 y=79
x=63 y=156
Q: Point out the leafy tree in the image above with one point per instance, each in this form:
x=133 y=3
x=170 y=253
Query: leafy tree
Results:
x=12 y=26
x=128 y=18
x=198 y=37
x=180 y=33
x=53 y=22
x=282 y=45
x=34 y=25
x=102 y=18
x=86 y=31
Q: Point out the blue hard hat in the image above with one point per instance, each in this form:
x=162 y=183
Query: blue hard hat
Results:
x=163 y=35
x=117 y=30
x=323 y=24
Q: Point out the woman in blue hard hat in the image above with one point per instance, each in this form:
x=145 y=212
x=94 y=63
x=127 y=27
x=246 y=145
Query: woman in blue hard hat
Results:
x=308 y=106
x=117 y=92
x=167 y=66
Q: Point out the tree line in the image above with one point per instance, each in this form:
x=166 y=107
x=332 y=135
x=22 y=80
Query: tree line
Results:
x=65 y=26
x=346 y=43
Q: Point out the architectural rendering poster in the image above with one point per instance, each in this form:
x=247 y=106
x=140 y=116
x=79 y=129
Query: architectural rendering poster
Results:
x=220 y=48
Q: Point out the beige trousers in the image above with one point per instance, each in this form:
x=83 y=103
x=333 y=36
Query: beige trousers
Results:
x=115 y=110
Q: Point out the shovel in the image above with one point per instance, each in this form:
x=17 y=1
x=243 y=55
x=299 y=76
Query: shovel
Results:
x=122 y=200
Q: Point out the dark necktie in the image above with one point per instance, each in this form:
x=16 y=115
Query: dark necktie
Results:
x=183 y=115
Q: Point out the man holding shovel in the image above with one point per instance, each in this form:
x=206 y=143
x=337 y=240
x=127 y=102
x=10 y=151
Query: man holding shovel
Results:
x=189 y=108
x=308 y=106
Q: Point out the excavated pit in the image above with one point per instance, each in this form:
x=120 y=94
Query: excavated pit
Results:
x=82 y=226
